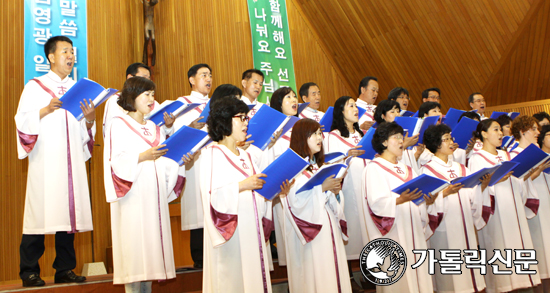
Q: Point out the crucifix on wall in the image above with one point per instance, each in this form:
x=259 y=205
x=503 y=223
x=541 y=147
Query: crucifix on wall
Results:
x=149 y=26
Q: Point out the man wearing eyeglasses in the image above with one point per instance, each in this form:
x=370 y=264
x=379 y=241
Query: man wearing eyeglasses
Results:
x=431 y=95
x=477 y=102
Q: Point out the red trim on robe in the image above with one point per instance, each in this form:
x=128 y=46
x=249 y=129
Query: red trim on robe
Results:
x=121 y=186
x=384 y=224
x=268 y=227
x=180 y=183
x=226 y=224
x=45 y=88
x=27 y=141
x=308 y=230
x=196 y=108
x=486 y=159
x=532 y=204
x=344 y=227
x=435 y=221
x=157 y=130
x=91 y=142
x=341 y=139
x=409 y=172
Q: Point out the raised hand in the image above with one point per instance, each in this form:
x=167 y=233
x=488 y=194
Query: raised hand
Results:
x=274 y=138
x=187 y=158
x=409 y=141
x=332 y=184
x=354 y=152
x=169 y=119
x=246 y=143
x=366 y=125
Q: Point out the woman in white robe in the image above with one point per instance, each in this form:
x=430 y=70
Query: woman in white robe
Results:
x=315 y=225
x=395 y=216
x=237 y=220
x=283 y=100
x=462 y=210
x=143 y=183
x=514 y=204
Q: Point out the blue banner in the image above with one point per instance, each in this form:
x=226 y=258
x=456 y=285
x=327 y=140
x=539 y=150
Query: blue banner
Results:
x=47 y=18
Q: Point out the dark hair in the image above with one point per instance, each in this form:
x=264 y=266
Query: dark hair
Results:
x=338 y=118
x=482 y=126
x=133 y=68
x=225 y=90
x=470 y=114
x=132 y=88
x=277 y=97
x=541 y=116
x=248 y=74
x=304 y=89
x=432 y=136
x=219 y=121
x=426 y=92
x=396 y=92
x=383 y=107
x=195 y=68
x=503 y=120
x=544 y=129
x=51 y=45
x=301 y=132
x=382 y=134
x=426 y=107
x=471 y=97
x=365 y=82
x=522 y=124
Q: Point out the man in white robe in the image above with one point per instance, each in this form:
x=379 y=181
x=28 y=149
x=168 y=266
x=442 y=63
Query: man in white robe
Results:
x=368 y=92
x=477 y=102
x=311 y=94
x=57 y=145
x=253 y=82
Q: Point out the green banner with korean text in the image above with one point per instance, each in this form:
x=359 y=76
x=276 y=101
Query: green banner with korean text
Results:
x=271 y=45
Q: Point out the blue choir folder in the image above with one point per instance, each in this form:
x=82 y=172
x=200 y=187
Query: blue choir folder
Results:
x=506 y=142
x=326 y=121
x=504 y=168
x=319 y=177
x=334 y=157
x=84 y=89
x=302 y=107
x=452 y=116
x=405 y=113
x=512 y=115
x=285 y=167
x=366 y=145
x=289 y=124
x=474 y=179
x=462 y=133
x=264 y=124
x=529 y=158
x=425 y=183
x=415 y=126
x=205 y=113
x=415 y=114
x=185 y=140
x=177 y=108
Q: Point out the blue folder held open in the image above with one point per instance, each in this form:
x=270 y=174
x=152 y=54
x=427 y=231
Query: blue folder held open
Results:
x=504 y=168
x=462 y=133
x=185 y=140
x=264 y=124
x=326 y=121
x=366 y=145
x=84 y=89
x=334 y=157
x=289 y=124
x=452 y=116
x=176 y=108
x=302 y=107
x=319 y=177
x=425 y=183
x=512 y=115
x=474 y=179
x=285 y=167
x=528 y=159
x=205 y=113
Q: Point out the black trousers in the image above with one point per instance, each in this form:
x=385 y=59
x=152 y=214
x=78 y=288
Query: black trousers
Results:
x=32 y=248
x=196 y=240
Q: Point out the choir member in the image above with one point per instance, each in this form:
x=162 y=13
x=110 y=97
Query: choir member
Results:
x=368 y=92
x=514 y=203
x=57 y=145
x=253 y=82
x=543 y=118
x=477 y=102
x=237 y=220
x=400 y=95
x=395 y=216
x=462 y=210
x=311 y=94
x=315 y=225
x=431 y=95
x=540 y=224
x=145 y=183
x=505 y=123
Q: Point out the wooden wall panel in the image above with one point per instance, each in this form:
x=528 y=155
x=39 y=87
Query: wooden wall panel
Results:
x=188 y=32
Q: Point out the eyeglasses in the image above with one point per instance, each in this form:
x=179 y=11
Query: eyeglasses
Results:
x=397 y=136
x=243 y=117
x=452 y=139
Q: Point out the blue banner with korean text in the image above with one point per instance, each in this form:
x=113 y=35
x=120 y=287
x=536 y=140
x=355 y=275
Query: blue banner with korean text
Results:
x=47 y=18
x=271 y=45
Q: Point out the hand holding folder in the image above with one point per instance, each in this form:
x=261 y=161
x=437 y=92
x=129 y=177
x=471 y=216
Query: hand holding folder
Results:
x=336 y=170
x=265 y=124
x=423 y=183
x=176 y=108
x=84 y=90
x=285 y=167
x=185 y=141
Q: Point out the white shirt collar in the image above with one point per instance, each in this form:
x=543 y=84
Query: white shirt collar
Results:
x=247 y=101
x=195 y=94
x=361 y=102
x=52 y=75
x=440 y=161
x=308 y=108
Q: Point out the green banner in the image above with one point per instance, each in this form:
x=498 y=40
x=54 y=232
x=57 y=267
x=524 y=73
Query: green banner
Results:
x=271 y=45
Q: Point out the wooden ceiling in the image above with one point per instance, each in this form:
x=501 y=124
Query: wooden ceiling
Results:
x=497 y=47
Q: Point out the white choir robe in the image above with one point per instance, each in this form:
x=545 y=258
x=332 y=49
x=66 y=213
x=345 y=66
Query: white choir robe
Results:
x=507 y=227
x=351 y=189
x=268 y=156
x=408 y=158
x=191 y=203
x=140 y=217
x=406 y=223
x=369 y=115
x=57 y=146
x=257 y=106
x=539 y=225
x=461 y=214
x=315 y=231
x=312 y=114
x=459 y=156
x=237 y=224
